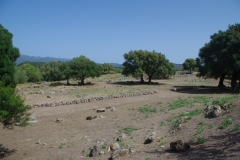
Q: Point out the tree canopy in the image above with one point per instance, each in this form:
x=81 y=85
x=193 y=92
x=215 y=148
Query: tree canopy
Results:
x=107 y=68
x=82 y=68
x=221 y=56
x=8 y=55
x=141 y=62
x=189 y=64
x=12 y=108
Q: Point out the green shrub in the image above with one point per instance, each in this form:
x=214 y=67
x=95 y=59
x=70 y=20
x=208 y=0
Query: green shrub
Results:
x=12 y=108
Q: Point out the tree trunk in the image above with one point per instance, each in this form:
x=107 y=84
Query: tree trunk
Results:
x=142 y=80
x=68 y=81
x=150 y=78
x=233 y=80
x=220 y=84
x=82 y=80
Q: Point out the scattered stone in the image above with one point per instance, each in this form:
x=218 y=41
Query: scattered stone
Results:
x=49 y=96
x=121 y=136
x=59 y=120
x=174 y=89
x=91 y=117
x=4 y=152
x=100 y=148
x=113 y=109
x=102 y=117
x=208 y=108
x=101 y=110
x=151 y=138
x=114 y=146
x=121 y=152
x=226 y=106
x=179 y=145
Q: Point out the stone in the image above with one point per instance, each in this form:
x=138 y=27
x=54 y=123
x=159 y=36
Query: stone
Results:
x=100 y=148
x=101 y=110
x=121 y=152
x=121 y=136
x=59 y=120
x=216 y=111
x=49 y=96
x=91 y=117
x=208 y=108
x=151 y=138
x=114 y=146
x=179 y=146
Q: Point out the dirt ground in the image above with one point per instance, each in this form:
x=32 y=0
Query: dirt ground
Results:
x=74 y=137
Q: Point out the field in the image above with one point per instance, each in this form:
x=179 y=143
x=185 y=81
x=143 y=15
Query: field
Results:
x=63 y=133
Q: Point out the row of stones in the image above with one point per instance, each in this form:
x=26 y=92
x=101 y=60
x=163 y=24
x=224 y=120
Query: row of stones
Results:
x=77 y=101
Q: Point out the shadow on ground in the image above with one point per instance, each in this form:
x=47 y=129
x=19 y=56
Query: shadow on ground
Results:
x=131 y=83
x=224 y=146
x=205 y=90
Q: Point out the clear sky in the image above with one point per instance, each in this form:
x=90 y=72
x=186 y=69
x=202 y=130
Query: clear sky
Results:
x=103 y=30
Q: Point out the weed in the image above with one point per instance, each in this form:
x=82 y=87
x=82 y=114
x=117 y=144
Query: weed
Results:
x=200 y=127
x=61 y=147
x=236 y=128
x=211 y=125
x=162 y=124
x=122 y=144
x=226 y=123
x=221 y=101
x=25 y=153
x=201 y=140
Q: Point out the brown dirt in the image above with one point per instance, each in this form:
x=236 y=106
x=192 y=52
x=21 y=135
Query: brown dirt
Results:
x=73 y=138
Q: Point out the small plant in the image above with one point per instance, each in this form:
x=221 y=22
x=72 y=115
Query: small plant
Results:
x=211 y=125
x=178 y=104
x=61 y=147
x=226 y=123
x=162 y=124
x=25 y=153
x=201 y=140
x=236 y=128
x=200 y=127
x=122 y=144
x=127 y=130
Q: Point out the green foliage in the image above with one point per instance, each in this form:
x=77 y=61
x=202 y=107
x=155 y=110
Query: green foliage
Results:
x=189 y=64
x=141 y=62
x=200 y=127
x=201 y=140
x=20 y=76
x=12 y=108
x=236 y=128
x=127 y=130
x=8 y=55
x=51 y=71
x=223 y=100
x=32 y=72
x=221 y=56
x=82 y=68
x=107 y=68
x=226 y=123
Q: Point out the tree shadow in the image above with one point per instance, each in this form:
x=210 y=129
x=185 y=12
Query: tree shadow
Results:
x=204 y=90
x=56 y=84
x=224 y=146
x=132 y=83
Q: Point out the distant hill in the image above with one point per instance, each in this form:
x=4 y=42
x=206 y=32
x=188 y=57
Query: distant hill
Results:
x=25 y=58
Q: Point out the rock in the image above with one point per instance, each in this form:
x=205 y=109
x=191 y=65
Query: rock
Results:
x=114 y=146
x=226 y=106
x=113 y=109
x=151 y=138
x=91 y=117
x=216 y=111
x=208 y=108
x=49 y=96
x=102 y=117
x=101 y=110
x=121 y=136
x=179 y=145
x=119 y=153
x=100 y=148
x=59 y=120
x=174 y=89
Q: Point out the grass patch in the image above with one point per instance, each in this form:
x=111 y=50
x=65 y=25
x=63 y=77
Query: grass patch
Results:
x=201 y=140
x=223 y=100
x=236 y=128
x=127 y=130
x=178 y=104
x=226 y=123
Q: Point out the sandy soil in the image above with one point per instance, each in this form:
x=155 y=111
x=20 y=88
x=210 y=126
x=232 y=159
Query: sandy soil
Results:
x=73 y=138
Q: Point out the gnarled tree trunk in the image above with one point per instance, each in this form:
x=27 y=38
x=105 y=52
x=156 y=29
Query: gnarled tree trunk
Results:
x=220 y=84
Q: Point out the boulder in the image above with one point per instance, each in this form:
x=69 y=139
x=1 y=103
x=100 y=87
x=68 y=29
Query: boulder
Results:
x=100 y=148
x=216 y=111
x=179 y=146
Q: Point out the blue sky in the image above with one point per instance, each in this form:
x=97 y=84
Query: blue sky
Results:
x=103 y=30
